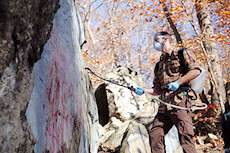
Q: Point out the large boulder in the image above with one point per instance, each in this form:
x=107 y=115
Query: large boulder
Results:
x=130 y=137
x=62 y=110
x=46 y=100
x=25 y=27
x=122 y=103
x=126 y=117
x=136 y=139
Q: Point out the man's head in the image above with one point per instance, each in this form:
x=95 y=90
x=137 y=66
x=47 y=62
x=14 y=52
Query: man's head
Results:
x=162 y=33
x=161 y=40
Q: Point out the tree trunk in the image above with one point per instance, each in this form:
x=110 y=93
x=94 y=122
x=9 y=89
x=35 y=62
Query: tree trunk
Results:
x=218 y=95
x=172 y=25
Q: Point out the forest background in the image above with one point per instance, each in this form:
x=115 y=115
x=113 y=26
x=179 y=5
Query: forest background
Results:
x=120 y=33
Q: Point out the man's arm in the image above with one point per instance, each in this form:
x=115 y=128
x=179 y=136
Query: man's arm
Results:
x=192 y=65
x=192 y=74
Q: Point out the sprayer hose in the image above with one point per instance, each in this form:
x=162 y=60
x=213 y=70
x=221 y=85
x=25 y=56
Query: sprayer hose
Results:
x=179 y=107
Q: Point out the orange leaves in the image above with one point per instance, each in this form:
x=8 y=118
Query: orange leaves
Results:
x=200 y=56
x=148 y=20
x=202 y=3
x=207 y=115
x=214 y=107
x=176 y=8
x=149 y=8
x=85 y=53
x=139 y=20
x=181 y=45
x=158 y=10
x=174 y=20
x=225 y=64
x=180 y=8
x=162 y=1
x=226 y=12
x=205 y=57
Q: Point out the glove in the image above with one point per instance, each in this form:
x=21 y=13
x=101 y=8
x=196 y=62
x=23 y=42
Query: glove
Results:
x=139 y=91
x=173 y=85
x=226 y=150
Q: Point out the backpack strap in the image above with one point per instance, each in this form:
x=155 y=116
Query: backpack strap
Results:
x=184 y=69
x=157 y=66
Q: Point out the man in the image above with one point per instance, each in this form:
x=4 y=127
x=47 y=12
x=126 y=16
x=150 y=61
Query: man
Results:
x=171 y=73
x=226 y=125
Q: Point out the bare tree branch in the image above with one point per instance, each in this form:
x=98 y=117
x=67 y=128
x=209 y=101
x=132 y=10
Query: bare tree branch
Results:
x=173 y=26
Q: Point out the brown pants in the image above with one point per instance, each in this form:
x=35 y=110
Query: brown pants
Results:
x=163 y=122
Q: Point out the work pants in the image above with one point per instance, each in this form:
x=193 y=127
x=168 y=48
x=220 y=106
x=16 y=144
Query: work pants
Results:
x=163 y=122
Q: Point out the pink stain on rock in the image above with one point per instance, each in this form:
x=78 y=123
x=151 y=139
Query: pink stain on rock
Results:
x=60 y=93
x=61 y=100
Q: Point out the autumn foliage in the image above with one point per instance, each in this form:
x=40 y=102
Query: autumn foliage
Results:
x=120 y=32
x=205 y=122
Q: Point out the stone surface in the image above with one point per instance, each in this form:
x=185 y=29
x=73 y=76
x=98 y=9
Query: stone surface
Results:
x=46 y=100
x=136 y=139
x=62 y=111
x=121 y=102
x=128 y=116
x=25 y=26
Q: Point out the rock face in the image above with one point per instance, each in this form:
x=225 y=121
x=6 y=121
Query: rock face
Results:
x=46 y=98
x=129 y=115
x=25 y=27
x=126 y=117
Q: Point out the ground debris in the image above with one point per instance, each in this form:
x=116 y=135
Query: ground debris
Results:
x=209 y=144
x=102 y=149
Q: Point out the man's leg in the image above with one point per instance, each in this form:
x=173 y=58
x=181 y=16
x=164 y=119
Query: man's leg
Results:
x=183 y=121
x=161 y=125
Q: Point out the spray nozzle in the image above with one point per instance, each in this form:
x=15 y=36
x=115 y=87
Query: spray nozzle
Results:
x=131 y=88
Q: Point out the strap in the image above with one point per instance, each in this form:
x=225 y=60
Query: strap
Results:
x=157 y=66
x=184 y=69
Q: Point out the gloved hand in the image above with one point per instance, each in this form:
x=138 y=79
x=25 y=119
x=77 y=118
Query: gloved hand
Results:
x=226 y=150
x=173 y=85
x=139 y=90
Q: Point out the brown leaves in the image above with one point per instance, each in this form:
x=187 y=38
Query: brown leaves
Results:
x=209 y=143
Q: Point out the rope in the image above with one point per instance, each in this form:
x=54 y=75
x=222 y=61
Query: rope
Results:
x=204 y=106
